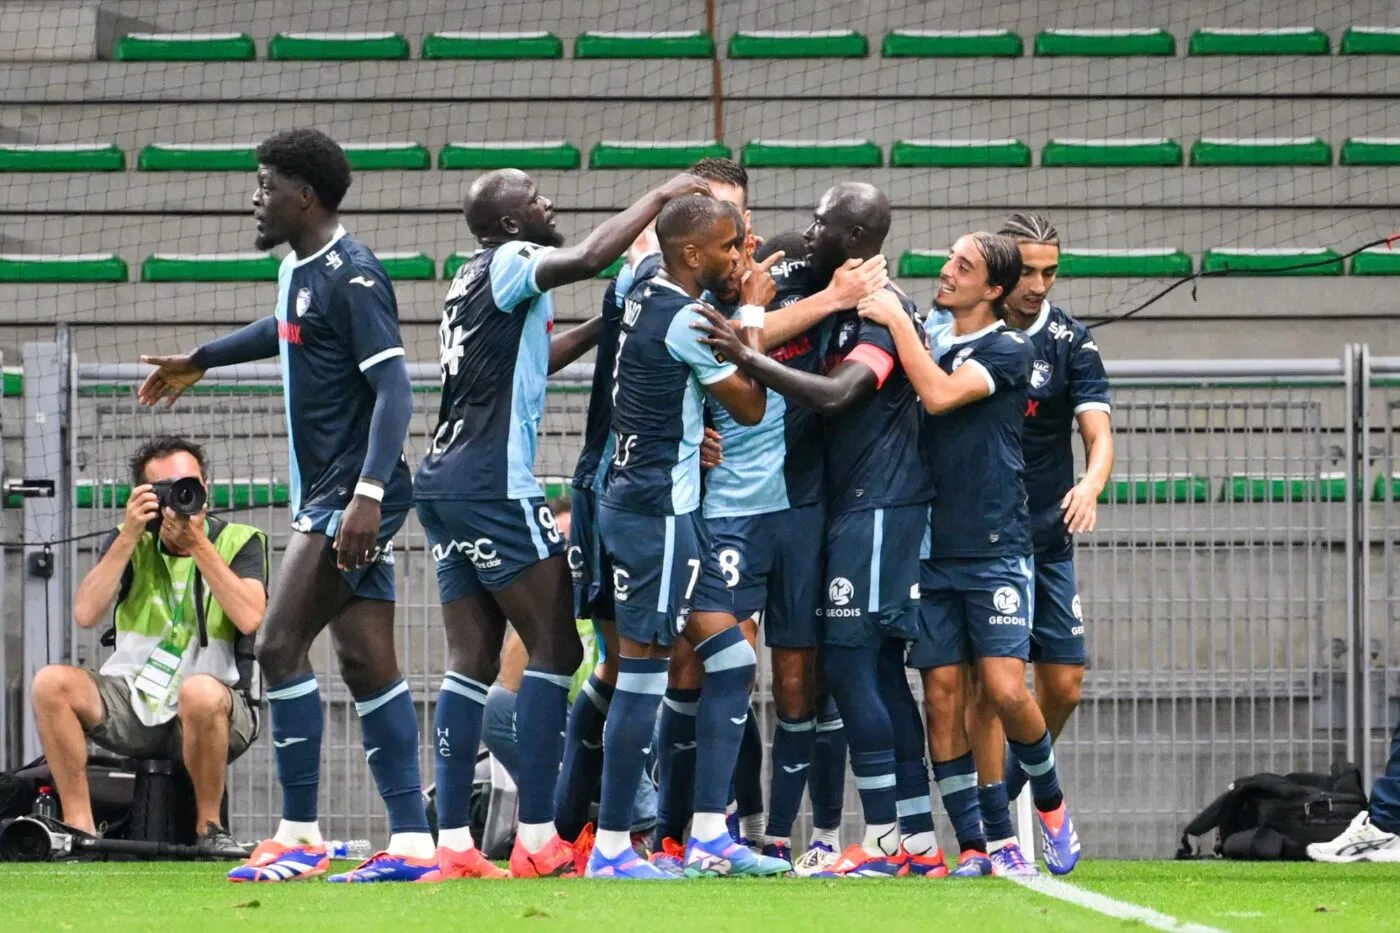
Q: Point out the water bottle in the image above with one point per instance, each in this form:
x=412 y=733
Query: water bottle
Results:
x=358 y=849
x=44 y=804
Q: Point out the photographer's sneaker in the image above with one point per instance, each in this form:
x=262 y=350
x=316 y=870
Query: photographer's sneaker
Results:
x=1362 y=841
x=215 y=842
x=272 y=861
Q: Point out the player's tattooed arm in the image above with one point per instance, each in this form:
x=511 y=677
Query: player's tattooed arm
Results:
x=849 y=284
x=174 y=374
x=1080 y=504
x=612 y=237
x=573 y=343
x=940 y=392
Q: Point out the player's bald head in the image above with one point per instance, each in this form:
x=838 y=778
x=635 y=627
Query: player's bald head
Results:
x=505 y=204
x=851 y=222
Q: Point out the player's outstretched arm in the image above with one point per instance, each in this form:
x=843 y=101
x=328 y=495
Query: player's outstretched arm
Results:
x=610 y=238
x=573 y=343
x=939 y=391
x=849 y=284
x=174 y=374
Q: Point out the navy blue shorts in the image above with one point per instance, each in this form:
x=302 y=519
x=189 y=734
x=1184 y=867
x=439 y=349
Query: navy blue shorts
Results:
x=1057 y=634
x=872 y=574
x=975 y=607
x=773 y=564
x=375 y=581
x=588 y=565
x=658 y=573
x=485 y=544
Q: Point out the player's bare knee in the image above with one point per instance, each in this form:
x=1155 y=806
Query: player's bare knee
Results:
x=202 y=699
x=52 y=686
x=685 y=671
x=790 y=695
x=280 y=655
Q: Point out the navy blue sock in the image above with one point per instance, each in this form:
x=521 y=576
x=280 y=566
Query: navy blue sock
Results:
x=1014 y=777
x=456 y=735
x=827 y=786
x=996 y=811
x=914 y=803
x=297 y=724
x=541 y=715
x=582 y=767
x=389 y=730
x=724 y=710
x=748 y=770
x=792 y=759
x=957 y=785
x=631 y=724
x=851 y=676
x=1038 y=761
x=676 y=765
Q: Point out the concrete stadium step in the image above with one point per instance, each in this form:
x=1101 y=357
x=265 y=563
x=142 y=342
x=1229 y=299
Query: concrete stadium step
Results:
x=952 y=43
x=553 y=154
x=799 y=153
x=1370 y=150
x=492 y=45
x=1084 y=153
x=185 y=47
x=1299 y=150
x=36 y=267
x=1301 y=40
x=1370 y=40
x=960 y=153
x=644 y=45
x=1282 y=261
x=236 y=157
x=1100 y=43
x=1322 y=487
x=336 y=46
x=62 y=157
x=785 y=43
x=615 y=154
x=1074 y=263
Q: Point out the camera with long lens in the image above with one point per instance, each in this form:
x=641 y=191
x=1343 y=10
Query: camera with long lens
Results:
x=184 y=496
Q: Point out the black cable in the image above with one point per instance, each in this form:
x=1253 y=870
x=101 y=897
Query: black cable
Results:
x=100 y=534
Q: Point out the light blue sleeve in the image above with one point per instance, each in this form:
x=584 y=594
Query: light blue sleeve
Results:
x=683 y=343
x=938 y=328
x=513 y=273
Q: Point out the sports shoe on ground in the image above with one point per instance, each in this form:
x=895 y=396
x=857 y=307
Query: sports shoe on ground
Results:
x=818 y=858
x=1362 y=841
x=778 y=850
x=1061 y=843
x=670 y=858
x=627 y=865
x=972 y=864
x=749 y=844
x=555 y=860
x=855 y=862
x=215 y=842
x=272 y=861
x=723 y=856
x=583 y=848
x=382 y=866
x=1010 y=862
x=469 y=864
x=930 y=866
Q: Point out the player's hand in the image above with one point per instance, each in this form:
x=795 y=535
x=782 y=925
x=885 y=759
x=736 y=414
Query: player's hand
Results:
x=856 y=279
x=719 y=336
x=142 y=507
x=172 y=376
x=1081 y=508
x=883 y=307
x=181 y=532
x=357 y=538
x=682 y=185
x=756 y=286
x=711 y=450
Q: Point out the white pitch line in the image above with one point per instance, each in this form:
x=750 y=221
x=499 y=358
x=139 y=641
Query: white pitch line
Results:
x=1106 y=905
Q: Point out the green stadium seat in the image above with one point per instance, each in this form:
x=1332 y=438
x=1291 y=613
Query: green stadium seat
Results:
x=1124 y=263
x=492 y=45
x=1376 y=260
x=1319 y=261
x=400 y=157
x=12 y=382
x=1370 y=150
x=612 y=270
x=198 y=157
x=1371 y=40
x=336 y=46
x=210 y=267
x=1141 y=490
x=1324 y=487
x=1300 y=40
x=61 y=157
x=921 y=263
x=644 y=45
x=36 y=267
x=226 y=494
x=185 y=47
x=1104 y=153
x=408 y=266
x=1384 y=489
x=457 y=260
x=839 y=153
x=952 y=43
x=641 y=155
x=960 y=153
x=1221 y=151
x=1104 y=43
x=555 y=154
x=784 y=43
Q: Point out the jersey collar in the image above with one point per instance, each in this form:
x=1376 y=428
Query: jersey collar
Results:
x=1039 y=323
x=661 y=278
x=339 y=232
x=953 y=340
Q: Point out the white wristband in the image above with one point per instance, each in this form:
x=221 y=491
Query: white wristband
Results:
x=369 y=491
x=751 y=316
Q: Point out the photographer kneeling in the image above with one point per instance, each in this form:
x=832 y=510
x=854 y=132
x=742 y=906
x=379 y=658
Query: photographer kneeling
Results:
x=186 y=587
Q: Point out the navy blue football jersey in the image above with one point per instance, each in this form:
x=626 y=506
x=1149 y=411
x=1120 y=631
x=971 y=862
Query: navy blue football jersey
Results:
x=337 y=318
x=659 y=382
x=974 y=452
x=494 y=357
x=1067 y=377
x=873 y=458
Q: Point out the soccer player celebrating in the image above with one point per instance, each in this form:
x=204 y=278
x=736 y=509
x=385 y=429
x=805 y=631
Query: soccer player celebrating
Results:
x=499 y=554
x=1067 y=387
x=976 y=581
x=876 y=494
x=348 y=403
